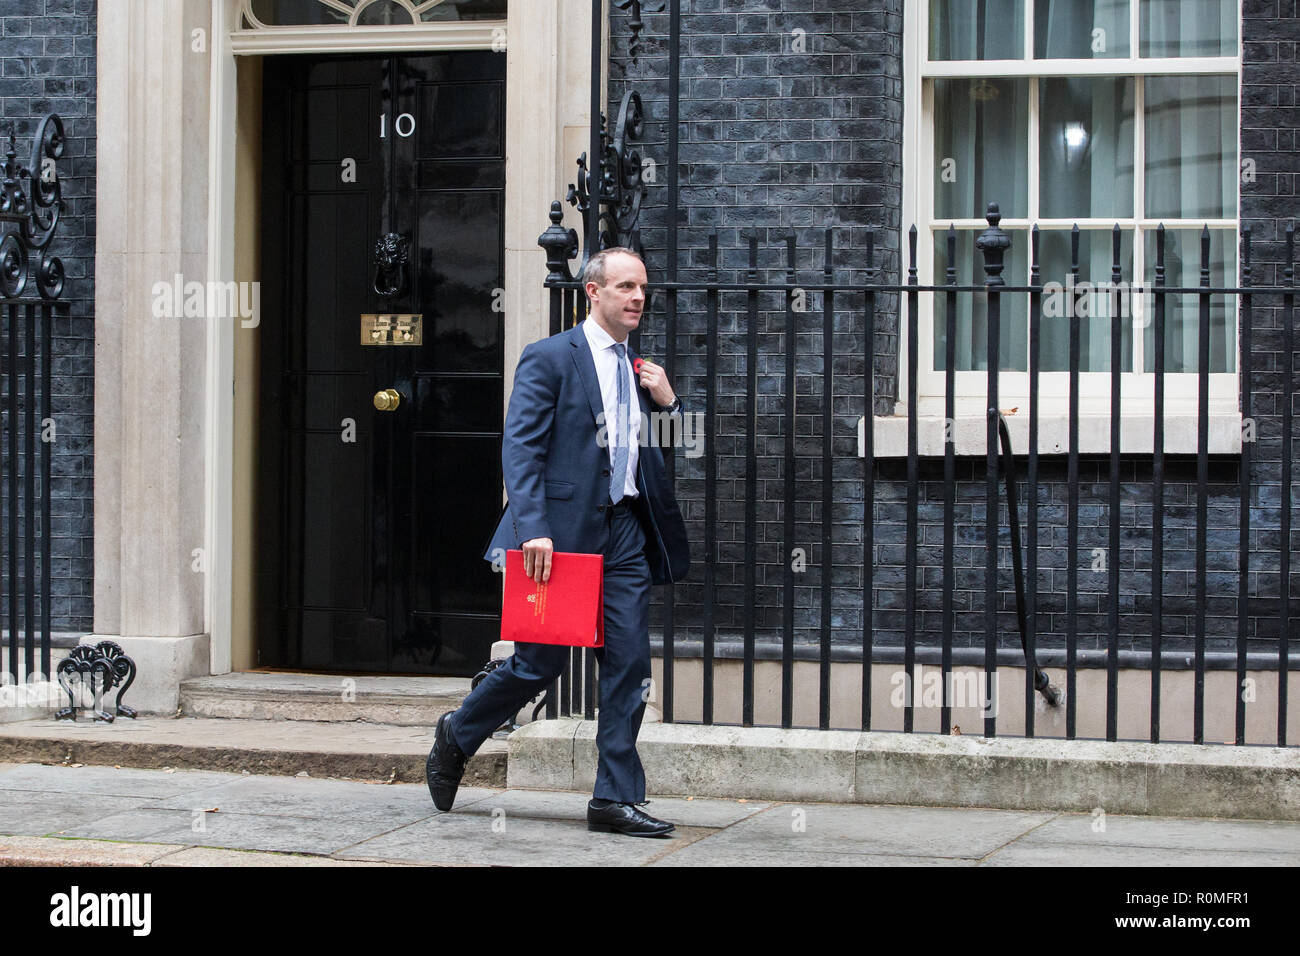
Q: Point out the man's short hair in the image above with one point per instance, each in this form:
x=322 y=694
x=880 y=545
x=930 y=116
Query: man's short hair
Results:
x=594 y=270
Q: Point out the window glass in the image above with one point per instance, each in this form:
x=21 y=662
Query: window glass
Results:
x=1191 y=147
x=972 y=310
x=981 y=143
x=1085 y=147
x=296 y=13
x=977 y=29
x=1093 y=300
x=466 y=10
x=1182 y=312
x=1188 y=27
x=371 y=12
x=384 y=13
x=1081 y=29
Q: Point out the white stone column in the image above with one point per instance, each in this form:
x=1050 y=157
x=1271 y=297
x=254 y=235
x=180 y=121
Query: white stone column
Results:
x=152 y=210
x=548 y=108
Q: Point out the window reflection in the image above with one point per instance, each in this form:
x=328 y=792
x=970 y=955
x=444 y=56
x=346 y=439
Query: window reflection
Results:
x=1085 y=147
x=977 y=29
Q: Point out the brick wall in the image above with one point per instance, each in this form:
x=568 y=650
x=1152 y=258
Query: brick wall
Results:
x=775 y=142
x=47 y=64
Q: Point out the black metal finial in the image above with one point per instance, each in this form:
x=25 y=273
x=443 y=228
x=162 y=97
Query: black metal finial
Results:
x=560 y=244
x=994 y=243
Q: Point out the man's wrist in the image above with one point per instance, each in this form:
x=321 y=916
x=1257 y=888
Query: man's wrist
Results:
x=675 y=406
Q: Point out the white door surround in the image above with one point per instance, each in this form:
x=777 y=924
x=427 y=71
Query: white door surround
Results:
x=166 y=199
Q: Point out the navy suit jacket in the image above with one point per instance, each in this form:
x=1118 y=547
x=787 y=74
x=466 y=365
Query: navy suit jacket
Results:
x=557 y=475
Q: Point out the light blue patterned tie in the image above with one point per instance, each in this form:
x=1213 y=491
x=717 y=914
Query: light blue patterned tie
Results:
x=619 y=478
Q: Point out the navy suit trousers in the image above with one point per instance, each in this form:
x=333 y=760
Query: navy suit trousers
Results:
x=624 y=664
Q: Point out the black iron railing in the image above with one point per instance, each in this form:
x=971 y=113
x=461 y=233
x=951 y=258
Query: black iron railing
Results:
x=30 y=204
x=567 y=306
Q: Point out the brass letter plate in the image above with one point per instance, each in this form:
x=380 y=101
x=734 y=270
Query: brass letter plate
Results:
x=392 y=329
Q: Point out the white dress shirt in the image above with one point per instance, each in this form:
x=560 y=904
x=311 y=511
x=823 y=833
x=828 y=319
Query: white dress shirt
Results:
x=606 y=359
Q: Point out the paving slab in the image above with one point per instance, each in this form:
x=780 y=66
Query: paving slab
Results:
x=709 y=853
x=503 y=840
x=1266 y=836
x=318 y=799
x=211 y=856
x=1022 y=853
x=36 y=814
x=118 y=781
x=44 y=851
x=804 y=830
x=246 y=831
x=99 y=816
x=572 y=806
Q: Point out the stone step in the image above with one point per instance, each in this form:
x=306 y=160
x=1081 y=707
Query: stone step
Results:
x=348 y=749
x=261 y=695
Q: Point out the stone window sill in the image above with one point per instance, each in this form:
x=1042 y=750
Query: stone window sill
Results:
x=969 y=432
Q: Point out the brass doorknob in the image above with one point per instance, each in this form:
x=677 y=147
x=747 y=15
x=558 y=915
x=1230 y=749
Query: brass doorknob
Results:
x=387 y=399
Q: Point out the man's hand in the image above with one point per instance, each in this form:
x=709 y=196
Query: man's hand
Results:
x=655 y=381
x=537 y=558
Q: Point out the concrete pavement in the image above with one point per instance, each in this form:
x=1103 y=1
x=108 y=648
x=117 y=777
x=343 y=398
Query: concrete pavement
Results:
x=99 y=815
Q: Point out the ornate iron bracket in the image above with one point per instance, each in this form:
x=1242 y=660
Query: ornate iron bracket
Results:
x=616 y=184
x=635 y=26
x=31 y=200
x=106 y=667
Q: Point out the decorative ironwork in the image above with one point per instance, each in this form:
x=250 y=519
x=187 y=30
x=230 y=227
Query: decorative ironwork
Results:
x=106 y=666
x=31 y=201
x=391 y=254
x=620 y=192
x=635 y=25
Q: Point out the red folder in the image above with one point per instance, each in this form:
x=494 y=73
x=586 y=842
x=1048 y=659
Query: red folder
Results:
x=567 y=609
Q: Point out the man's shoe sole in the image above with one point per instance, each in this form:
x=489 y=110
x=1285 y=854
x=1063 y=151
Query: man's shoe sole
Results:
x=610 y=828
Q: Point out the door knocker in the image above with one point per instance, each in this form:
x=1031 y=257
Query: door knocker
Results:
x=391 y=253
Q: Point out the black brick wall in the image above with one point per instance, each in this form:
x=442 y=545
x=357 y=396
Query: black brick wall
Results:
x=47 y=64
x=774 y=143
x=791 y=117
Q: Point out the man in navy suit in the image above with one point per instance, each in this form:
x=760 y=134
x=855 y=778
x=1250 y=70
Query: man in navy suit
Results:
x=581 y=477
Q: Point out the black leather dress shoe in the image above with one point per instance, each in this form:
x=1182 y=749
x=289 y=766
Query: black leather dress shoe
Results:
x=606 y=816
x=445 y=766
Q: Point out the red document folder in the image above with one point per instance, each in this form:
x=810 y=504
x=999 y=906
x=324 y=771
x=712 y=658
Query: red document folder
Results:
x=567 y=609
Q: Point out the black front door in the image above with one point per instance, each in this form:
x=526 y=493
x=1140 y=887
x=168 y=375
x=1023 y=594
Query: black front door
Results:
x=383 y=195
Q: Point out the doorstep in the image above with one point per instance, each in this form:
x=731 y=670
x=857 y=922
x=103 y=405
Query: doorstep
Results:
x=346 y=749
x=274 y=695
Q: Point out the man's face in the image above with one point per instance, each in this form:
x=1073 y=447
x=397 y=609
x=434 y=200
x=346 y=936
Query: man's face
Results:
x=618 y=303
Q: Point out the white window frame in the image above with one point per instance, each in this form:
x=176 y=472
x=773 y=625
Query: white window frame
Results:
x=1013 y=387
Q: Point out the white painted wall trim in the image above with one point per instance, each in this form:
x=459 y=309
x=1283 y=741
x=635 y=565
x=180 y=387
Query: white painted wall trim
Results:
x=448 y=35
x=218 y=484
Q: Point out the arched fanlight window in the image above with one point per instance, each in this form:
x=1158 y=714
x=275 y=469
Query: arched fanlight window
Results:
x=263 y=14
